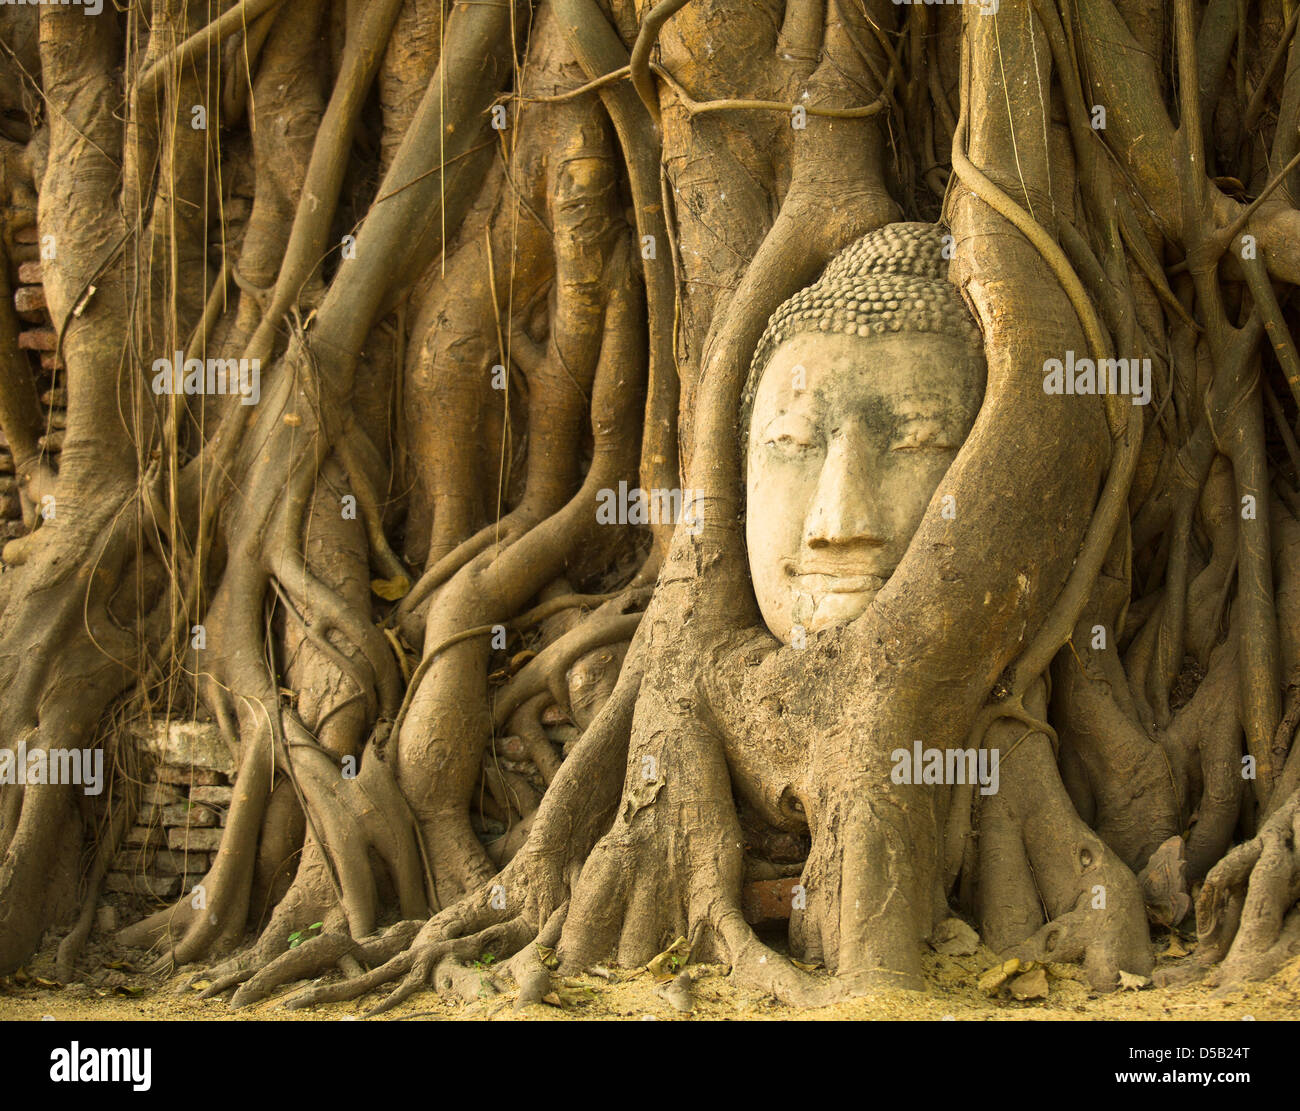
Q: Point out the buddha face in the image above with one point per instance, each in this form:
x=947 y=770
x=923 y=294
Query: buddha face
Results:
x=849 y=438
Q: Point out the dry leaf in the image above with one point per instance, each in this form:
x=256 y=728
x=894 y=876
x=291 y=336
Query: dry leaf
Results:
x=390 y=590
x=667 y=964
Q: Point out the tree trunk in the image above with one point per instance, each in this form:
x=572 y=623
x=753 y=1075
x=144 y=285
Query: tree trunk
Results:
x=389 y=333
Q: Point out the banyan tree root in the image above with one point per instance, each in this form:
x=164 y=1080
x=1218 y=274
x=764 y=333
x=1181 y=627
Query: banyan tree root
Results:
x=1247 y=914
x=637 y=839
x=515 y=907
x=1049 y=888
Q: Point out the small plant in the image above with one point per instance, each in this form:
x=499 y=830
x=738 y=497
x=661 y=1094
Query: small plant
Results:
x=485 y=961
x=299 y=936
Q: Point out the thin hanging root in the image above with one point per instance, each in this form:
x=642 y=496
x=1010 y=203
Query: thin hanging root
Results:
x=70 y=947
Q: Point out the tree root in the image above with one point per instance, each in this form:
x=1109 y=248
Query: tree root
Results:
x=1049 y=888
x=1246 y=914
x=260 y=972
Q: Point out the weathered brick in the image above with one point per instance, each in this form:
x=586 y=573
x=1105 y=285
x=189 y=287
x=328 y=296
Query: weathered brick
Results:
x=217 y=796
x=188 y=814
x=159 y=794
x=161 y=887
x=186 y=744
x=166 y=862
x=140 y=836
x=183 y=777
x=29 y=272
x=201 y=839
x=768 y=900
x=149 y=814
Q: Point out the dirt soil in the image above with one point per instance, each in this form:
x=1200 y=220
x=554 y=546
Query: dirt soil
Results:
x=112 y=989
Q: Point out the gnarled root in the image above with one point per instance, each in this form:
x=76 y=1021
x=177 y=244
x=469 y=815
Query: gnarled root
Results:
x=1246 y=914
x=1036 y=852
x=520 y=904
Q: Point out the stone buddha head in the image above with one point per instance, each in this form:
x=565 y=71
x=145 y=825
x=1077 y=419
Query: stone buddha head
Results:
x=861 y=391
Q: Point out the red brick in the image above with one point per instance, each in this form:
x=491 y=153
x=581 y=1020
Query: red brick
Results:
x=768 y=900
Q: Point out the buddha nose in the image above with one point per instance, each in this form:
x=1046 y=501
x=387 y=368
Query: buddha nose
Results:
x=843 y=509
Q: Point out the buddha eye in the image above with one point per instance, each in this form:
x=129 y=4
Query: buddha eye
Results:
x=924 y=436
x=790 y=434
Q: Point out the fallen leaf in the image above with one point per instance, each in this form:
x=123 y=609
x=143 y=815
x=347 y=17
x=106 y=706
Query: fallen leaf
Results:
x=390 y=590
x=667 y=964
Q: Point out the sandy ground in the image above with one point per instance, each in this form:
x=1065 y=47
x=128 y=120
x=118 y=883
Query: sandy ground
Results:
x=122 y=994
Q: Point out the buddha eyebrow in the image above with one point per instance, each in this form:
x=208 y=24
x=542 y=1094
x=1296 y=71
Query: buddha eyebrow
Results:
x=944 y=410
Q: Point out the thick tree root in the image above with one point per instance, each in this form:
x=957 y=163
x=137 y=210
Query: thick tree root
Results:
x=1247 y=914
x=256 y=976
x=1038 y=860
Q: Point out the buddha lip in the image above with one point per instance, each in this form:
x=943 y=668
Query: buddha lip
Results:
x=833 y=582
